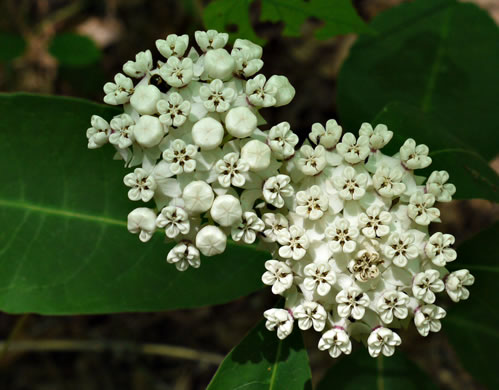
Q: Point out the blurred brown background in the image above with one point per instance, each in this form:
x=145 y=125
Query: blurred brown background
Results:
x=116 y=359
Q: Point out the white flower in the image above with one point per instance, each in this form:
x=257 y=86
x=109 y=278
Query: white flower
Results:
x=118 y=92
x=174 y=220
x=400 y=247
x=226 y=210
x=426 y=284
x=375 y=222
x=211 y=240
x=183 y=255
x=414 y=157
x=181 y=157
x=311 y=203
x=383 y=340
x=247 y=56
x=310 y=313
x=142 y=185
x=282 y=140
x=439 y=250
x=240 y=122
x=144 y=99
x=427 y=318
x=387 y=181
x=378 y=137
x=285 y=92
x=260 y=93
x=198 y=196
x=219 y=64
x=365 y=265
x=256 y=154
x=173 y=45
x=211 y=39
x=352 y=302
x=174 y=110
x=352 y=150
x=275 y=223
x=438 y=186
x=230 y=170
x=141 y=66
x=342 y=236
x=278 y=275
x=327 y=137
x=294 y=242
x=276 y=188
x=248 y=228
x=281 y=320
x=420 y=208
x=392 y=304
x=98 y=134
x=337 y=341
x=455 y=282
x=142 y=221
x=319 y=277
x=176 y=72
x=148 y=131
x=312 y=161
x=207 y=133
x=350 y=184
x=216 y=97
x=122 y=135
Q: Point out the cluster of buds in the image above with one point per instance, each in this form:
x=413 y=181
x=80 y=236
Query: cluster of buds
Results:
x=347 y=225
x=355 y=259
x=190 y=131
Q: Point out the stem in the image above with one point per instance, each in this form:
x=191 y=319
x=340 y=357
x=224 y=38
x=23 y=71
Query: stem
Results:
x=4 y=347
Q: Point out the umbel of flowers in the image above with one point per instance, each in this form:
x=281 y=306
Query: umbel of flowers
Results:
x=355 y=259
x=347 y=225
x=190 y=131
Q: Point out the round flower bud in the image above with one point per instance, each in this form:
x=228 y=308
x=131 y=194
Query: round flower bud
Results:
x=207 y=133
x=211 y=241
x=285 y=91
x=142 y=221
x=198 y=196
x=226 y=210
x=148 y=131
x=219 y=64
x=240 y=122
x=144 y=99
x=256 y=154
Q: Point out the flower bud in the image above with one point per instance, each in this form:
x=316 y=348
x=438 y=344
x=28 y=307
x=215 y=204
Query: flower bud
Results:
x=240 y=122
x=226 y=210
x=211 y=240
x=207 y=133
x=219 y=64
x=143 y=221
x=148 y=131
x=198 y=196
x=144 y=99
x=285 y=91
x=256 y=154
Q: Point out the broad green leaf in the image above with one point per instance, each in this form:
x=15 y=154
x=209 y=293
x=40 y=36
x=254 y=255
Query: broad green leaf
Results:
x=422 y=55
x=362 y=372
x=263 y=362
x=74 y=50
x=468 y=170
x=223 y=15
x=11 y=46
x=338 y=16
x=472 y=324
x=64 y=246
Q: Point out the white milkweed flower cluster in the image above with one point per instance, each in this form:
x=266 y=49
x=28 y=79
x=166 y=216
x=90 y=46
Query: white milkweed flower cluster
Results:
x=355 y=259
x=190 y=132
x=347 y=225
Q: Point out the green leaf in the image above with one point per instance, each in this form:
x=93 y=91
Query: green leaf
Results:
x=74 y=50
x=339 y=16
x=11 y=46
x=362 y=372
x=471 y=325
x=222 y=15
x=423 y=56
x=468 y=170
x=263 y=362
x=64 y=246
